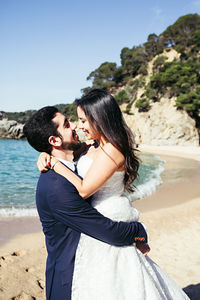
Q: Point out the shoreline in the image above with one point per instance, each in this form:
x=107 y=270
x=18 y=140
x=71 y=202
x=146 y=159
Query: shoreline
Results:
x=177 y=151
x=171 y=191
x=176 y=188
x=171 y=215
x=10 y=227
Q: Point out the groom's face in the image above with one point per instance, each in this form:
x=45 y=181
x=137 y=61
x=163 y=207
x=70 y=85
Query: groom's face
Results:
x=67 y=133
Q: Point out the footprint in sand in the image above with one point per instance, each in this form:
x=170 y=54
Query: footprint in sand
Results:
x=41 y=284
x=19 y=253
x=30 y=269
x=24 y=296
x=5 y=259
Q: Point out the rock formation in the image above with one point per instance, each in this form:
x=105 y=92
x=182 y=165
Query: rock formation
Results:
x=11 y=129
x=163 y=125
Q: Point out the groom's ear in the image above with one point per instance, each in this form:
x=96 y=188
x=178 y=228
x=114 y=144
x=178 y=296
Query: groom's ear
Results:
x=55 y=141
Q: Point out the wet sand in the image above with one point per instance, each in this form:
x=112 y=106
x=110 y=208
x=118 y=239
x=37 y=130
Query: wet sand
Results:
x=12 y=226
x=181 y=182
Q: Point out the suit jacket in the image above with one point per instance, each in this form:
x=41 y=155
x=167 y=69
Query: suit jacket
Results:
x=64 y=216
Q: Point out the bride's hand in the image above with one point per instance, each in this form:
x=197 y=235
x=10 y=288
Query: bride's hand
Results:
x=53 y=162
x=44 y=162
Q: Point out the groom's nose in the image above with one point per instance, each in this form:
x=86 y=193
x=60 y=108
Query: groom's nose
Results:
x=73 y=125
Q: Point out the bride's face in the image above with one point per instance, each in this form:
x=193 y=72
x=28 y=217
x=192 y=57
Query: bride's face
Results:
x=85 y=125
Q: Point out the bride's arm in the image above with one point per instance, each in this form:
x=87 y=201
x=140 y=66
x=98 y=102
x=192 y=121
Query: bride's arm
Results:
x=44 y=159
x=107 y=161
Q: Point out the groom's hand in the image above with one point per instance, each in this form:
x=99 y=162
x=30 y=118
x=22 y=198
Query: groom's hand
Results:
x=144 y=248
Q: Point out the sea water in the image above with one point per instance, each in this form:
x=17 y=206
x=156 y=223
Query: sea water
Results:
x=19 y=176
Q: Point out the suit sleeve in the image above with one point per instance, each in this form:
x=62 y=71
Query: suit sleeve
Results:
x=69 y=208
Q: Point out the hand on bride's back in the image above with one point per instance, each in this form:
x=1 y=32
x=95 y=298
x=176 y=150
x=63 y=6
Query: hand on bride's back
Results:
x=44 y=162
x=144 y=248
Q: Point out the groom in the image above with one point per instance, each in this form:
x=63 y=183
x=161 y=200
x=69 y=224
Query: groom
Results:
x=63 y=213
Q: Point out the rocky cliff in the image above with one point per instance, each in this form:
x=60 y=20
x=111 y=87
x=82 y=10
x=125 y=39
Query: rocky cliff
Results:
x=163 y=125
x=11 y=130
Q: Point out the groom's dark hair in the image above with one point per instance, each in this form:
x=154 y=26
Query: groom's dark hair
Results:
x=40 y=127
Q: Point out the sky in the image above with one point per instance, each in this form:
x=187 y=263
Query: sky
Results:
x=48 y=48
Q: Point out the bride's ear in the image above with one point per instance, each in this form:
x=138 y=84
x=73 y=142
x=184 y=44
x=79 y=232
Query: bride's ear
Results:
x=55 y=141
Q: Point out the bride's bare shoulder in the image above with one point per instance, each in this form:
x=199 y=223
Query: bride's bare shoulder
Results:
x=113 y=152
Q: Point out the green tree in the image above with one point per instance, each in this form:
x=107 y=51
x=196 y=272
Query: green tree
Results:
x=133 y=60
x=151 y=46
x=104 y=75
x=178 y=75
x=158 y=62
x=190 y=101
x=181 y=31
x=70 y=111
x=86 y=90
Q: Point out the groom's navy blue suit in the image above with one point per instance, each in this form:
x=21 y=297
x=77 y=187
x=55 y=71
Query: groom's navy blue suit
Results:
x=64 y=215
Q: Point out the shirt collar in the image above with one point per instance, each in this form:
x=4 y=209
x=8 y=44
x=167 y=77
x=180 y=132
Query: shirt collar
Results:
x=69 y=164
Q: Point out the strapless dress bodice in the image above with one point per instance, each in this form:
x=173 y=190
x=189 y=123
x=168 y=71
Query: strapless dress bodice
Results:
x=110 y=199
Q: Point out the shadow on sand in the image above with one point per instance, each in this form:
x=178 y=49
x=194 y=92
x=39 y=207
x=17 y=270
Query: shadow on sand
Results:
x=193 y=291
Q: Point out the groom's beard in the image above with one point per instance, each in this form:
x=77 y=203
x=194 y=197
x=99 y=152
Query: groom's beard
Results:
x=73 y=146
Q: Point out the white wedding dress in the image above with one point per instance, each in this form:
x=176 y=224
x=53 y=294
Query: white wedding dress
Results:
x=106 y=272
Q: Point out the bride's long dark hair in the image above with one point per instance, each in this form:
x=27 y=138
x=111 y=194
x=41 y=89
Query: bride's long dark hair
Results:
x=106 y=118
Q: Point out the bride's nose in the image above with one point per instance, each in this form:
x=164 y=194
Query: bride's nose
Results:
x=73 y=125
x=80 y=125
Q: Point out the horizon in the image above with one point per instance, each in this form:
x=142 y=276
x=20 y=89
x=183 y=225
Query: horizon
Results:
x=49 y=49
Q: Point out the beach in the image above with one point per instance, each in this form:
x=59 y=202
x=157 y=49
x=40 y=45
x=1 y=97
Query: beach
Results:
x=171 y=215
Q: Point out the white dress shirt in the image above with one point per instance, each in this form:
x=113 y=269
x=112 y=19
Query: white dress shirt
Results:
x=69 y=164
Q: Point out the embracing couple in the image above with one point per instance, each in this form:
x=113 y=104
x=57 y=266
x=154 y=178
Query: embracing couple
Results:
x=96 y=246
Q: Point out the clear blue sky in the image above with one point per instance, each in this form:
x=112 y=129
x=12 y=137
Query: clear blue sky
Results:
x=48 y=48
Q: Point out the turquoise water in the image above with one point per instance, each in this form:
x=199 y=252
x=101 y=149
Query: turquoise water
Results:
x=19 y=175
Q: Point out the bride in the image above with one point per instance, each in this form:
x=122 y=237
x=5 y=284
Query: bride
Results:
x=102 y=271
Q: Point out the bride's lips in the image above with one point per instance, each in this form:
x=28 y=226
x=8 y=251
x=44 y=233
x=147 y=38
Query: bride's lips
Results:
x=86 y=132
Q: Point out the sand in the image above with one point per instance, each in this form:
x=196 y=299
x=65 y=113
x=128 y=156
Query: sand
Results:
x=171 y=215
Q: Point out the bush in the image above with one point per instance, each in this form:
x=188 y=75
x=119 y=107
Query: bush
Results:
x=151 y=93
x=158 y=62
x=122 y=97
x=189 y=102
x=159 y=51
x=143 y=69
x=180 y=48
x=175 y=75
x=143 y=104
x=128 y=107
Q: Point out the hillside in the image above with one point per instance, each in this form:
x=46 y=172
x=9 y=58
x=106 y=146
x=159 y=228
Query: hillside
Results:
x=22 y=117
x=158 y=84
x=158 y=121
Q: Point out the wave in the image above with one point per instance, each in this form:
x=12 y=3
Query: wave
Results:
x=152 y=182
x=150 y=179
x=18 y=212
